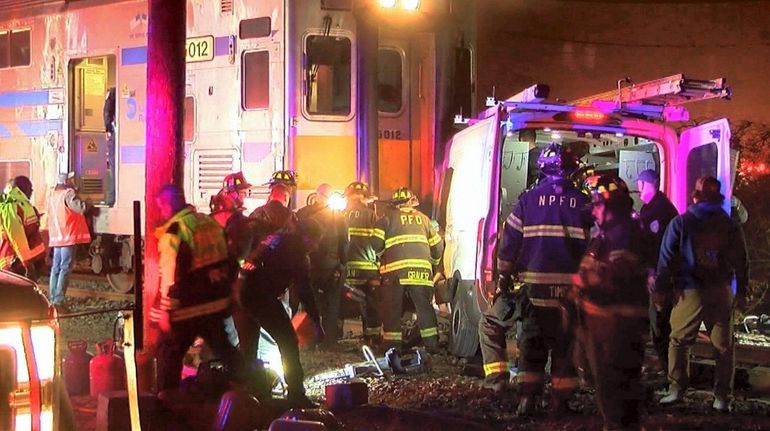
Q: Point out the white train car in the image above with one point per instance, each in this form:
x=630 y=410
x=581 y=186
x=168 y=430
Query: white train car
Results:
x=270 y=85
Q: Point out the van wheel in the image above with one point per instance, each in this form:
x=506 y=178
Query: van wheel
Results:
x=464 y=334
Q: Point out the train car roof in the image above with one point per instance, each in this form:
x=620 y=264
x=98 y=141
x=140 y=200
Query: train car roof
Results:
x=21 y=298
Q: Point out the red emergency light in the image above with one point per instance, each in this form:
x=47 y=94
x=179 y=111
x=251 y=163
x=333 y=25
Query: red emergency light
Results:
x=587 y=115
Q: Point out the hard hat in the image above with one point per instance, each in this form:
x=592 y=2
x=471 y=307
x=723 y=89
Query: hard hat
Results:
x=357 y=187
x=404 y=197
x=235 y=182
x=223 y=201
x=611 y=191
x=285 y=178
x=557 y=160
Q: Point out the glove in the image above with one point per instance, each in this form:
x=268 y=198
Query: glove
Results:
x=504 y=286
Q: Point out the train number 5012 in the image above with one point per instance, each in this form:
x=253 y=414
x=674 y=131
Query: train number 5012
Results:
x=199 y=49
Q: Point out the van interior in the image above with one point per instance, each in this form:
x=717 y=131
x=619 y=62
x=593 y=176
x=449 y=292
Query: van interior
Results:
x=603 y=152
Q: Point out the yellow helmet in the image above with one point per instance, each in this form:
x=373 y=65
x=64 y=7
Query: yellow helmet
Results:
x=404 y=197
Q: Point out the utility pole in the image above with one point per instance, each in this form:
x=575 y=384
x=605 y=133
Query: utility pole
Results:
x=165 y=115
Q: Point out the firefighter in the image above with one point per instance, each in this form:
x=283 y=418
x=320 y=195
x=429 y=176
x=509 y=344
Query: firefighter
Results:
x=67 y=228
x=275 y=214
x=193 y=297
x=656 y=213
x=542 y=243
x=236 y=186
x=362 y=265
x=612 y=298
x=702 y=250
x=327 y=262
x=409 y=248
x=21 y=245
x=226 y=211
x=279 y=261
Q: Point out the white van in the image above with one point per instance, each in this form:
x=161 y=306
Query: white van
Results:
x=624 y=132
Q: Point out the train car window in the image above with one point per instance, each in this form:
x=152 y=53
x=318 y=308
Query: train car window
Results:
x=389 y=81
x=256 y=80
x=19 y=47
x=328 y=75
x=5 y=38
x=189 y=119
x=254 y=27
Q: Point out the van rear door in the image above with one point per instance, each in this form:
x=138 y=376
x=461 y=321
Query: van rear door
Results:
x=473 y=194
x=703 y=150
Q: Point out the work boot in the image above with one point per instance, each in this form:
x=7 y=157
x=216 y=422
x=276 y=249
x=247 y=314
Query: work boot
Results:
x=674 y=395
x=526 y=406
x=722 y=404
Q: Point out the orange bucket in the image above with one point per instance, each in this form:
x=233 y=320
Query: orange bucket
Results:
x=305 y=329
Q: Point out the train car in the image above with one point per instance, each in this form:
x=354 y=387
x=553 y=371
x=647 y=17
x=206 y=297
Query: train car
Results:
x=270 y=85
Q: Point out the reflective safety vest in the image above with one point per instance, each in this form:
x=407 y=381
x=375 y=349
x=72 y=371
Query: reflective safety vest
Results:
x=195 y=277
x=362 y=259
x=408 y=246
x=65 y=226
x=20 y=227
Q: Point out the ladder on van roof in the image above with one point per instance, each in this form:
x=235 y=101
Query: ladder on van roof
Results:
x=674 y=90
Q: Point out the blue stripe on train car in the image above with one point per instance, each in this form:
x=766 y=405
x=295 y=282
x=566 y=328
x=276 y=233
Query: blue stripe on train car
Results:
x=221 y=46
x=4 y=132
x=13 y=99
x=132 y=56
x=138 y=54
x=131 y=154
x=39 y=127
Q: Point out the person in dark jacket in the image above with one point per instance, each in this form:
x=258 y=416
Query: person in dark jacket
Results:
x=328 y=260
x=543 y=241
x=702 y=251
x=279 y=262
x=656 y=213
x=612 y=298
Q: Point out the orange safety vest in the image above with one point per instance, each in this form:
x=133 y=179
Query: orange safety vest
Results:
x=65 y=226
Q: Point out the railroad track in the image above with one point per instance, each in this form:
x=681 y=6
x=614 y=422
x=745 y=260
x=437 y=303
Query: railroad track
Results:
x=77 y=292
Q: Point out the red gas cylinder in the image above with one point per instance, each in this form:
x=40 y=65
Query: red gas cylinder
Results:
x=107 y=370
x=75 y=368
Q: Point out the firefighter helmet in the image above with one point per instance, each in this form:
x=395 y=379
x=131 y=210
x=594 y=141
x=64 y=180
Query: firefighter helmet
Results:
x=235 y=182
x=404 y=197
x=357 y=187
x=223 y=201
x=284 y=178
x=611 y=191
x=557 y=160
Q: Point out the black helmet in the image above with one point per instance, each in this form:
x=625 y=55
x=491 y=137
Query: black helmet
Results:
x=223 y=201
x=284 y=178
x=611 y=191
x=357 y=187
x=23 y=183
x=404 y=197
x=557 y=160
x=235 y=182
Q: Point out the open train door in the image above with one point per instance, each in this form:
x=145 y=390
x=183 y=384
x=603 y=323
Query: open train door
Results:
x=703 y=150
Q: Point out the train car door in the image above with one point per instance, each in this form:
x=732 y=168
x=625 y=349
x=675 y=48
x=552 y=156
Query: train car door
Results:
x=703 y=150
x=262 y=59
x=92 y=148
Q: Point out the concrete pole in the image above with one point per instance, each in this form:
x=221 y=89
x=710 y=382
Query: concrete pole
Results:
x=165 y=115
